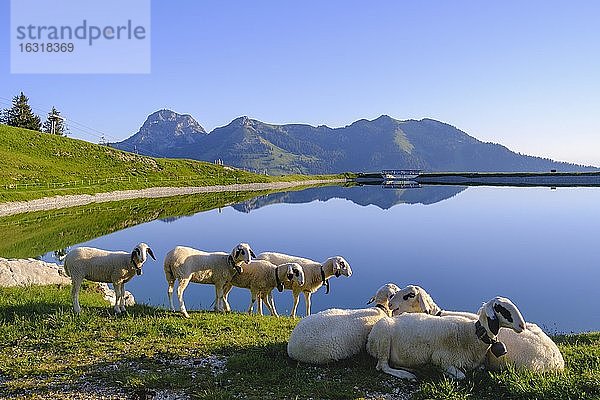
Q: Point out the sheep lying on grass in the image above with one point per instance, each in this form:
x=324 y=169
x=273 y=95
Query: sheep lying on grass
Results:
x=261 y=277
x=336 y=334
x=116 y=267
x=453 y=342
x=316 y=274
x=530 y=350
x=218 y=268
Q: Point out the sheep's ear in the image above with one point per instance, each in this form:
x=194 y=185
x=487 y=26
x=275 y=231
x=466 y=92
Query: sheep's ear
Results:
x=488 y=308
x=280 y=287
x=422 y=303
x=372 y=299
x=494 y=325
x=252 y=254
x=133 y=255
x=151 y=253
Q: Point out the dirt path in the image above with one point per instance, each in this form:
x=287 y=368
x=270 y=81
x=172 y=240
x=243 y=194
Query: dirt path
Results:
x=51 y=203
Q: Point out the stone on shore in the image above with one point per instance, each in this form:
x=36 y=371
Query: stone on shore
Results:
x=29 y=271
x=25 y=272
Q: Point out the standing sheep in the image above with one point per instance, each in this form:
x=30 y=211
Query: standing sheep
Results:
x=530 y=350
x=218 y=268
x=261 y=277
x=316 y=274
x=336 y=334
x=116 y=267
x=453 y=342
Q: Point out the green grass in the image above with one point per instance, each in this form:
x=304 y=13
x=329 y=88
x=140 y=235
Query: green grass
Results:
x=35 y=165
x=46 y=348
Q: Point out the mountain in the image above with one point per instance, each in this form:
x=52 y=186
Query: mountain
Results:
x=365 y=145
x=163 y=134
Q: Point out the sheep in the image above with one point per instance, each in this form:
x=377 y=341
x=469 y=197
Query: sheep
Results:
x=530 y=350
x=261 y=277
x=317 y=274
x=116 y=267
x=452 y=342
x=336 y=334
x=190 y=265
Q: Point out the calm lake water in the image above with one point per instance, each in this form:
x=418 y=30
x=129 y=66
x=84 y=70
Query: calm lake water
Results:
x=537 y=246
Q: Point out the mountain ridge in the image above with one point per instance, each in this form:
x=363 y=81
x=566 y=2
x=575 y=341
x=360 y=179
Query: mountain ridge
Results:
x=363 y=145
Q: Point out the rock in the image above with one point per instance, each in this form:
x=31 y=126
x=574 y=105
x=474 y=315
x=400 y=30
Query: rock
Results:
x=109 y=295
x=24 y=272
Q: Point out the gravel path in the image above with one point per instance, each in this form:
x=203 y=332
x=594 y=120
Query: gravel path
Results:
x=51 y=203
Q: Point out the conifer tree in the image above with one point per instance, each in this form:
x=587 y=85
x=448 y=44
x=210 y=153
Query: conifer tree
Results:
x=20 y=114
x=59 y=127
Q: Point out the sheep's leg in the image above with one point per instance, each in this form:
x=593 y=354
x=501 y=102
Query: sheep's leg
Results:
x=398 y=373
x=117 y=288
x=170 y=294
x=259 y=305
x=226 y=289
x=252 y=300
x=295 y=306
x=219 y=298
x=271 y=304
x=122 y=299
x=76 y=285
x=454 y=372
x=307 y=301
x=182 y=285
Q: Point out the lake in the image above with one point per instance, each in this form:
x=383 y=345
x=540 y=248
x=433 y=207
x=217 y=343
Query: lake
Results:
x=537 y=246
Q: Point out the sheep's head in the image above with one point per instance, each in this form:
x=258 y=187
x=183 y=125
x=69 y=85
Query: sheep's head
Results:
x=412 y=298
x=341 y=266
x=384 y=294
x=295 y=273
x=242 y=253
x=500 y=312
x=139 y=255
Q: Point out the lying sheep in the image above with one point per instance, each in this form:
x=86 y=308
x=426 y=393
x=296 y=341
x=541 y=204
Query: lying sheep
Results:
x=530 y=350
x=317 y=274
x=218 y=268
x=261 y=277
x=116 y=267
x=452 y=342
x=336 y=334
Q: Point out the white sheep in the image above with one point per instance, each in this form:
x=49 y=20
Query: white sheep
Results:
x=261 y=277
x=530 y=350
x=317 y=274
x=335 y=334
x=452 y=342
x=116 y=267
x=217 y=268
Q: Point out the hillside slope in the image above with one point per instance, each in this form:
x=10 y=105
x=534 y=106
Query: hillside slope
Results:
x=364 y=145
x=35 y=164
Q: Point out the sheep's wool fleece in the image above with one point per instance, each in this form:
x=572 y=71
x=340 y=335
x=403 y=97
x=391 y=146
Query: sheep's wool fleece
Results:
x=332 y=334
x=531 y=350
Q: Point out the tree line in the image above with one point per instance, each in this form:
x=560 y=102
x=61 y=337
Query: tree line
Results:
x=20 y=115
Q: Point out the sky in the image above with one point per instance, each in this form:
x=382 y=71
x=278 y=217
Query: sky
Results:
x=523 y=74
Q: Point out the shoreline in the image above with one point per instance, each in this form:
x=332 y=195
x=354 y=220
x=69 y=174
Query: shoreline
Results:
x=58 y=202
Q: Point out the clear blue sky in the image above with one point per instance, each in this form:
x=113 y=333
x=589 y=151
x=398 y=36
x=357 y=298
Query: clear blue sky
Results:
x=524 y=74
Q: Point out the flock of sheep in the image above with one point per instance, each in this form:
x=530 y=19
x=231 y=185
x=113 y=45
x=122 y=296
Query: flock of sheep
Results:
x=405 y=328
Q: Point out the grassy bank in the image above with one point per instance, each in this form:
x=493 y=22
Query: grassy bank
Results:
x=35 y=165
x=49 y=352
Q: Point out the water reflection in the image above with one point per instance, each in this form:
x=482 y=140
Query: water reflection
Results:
x=363 y=196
